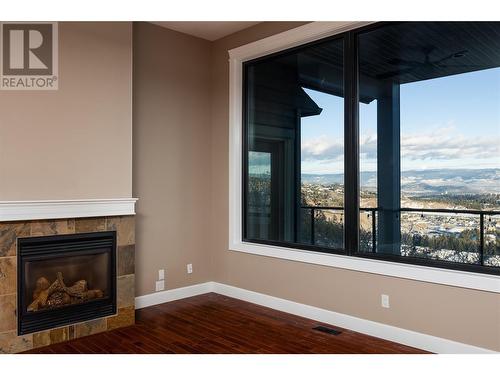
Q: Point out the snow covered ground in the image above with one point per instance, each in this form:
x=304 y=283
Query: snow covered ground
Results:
x=449 y=255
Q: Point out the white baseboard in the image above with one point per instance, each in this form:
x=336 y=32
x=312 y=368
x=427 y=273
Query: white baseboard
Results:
x=403 y=336
x=172 y=295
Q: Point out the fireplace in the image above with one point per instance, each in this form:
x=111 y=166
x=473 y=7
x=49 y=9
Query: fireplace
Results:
x=65 y=279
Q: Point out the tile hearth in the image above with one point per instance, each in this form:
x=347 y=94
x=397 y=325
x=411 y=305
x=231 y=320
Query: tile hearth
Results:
x=10 y=342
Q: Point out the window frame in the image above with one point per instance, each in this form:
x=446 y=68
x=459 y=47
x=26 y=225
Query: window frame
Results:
x=442 y=272
x=245 y=150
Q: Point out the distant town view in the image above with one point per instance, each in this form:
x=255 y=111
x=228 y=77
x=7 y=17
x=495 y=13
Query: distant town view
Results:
x=442 y=236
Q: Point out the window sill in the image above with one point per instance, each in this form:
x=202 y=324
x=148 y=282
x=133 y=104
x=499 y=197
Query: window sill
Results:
x=462 y=279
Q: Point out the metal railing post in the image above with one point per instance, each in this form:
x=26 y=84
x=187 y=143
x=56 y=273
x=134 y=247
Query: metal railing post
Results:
x=312 y=226
x=481 y=238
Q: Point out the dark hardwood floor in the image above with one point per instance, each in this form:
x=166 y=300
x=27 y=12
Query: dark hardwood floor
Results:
x=212 y=323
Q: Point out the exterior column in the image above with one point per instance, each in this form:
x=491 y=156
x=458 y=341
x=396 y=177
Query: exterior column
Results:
x=389 y=169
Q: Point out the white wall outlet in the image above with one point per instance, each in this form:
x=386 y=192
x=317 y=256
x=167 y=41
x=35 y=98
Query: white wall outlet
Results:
x=161 y=274
x=385 y=301
x=189 y=268
x=160 y=285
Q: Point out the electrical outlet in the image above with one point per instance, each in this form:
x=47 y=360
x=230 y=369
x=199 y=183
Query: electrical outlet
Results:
x=160 y=285
x=189 y=268
x=385 y=301
x=161 y=274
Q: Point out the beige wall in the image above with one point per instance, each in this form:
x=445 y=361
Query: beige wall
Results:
x=171 y=156
x=463 y=315
x=74 y=142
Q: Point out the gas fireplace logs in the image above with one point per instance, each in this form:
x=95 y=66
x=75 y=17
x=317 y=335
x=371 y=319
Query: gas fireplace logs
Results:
x=57 y=294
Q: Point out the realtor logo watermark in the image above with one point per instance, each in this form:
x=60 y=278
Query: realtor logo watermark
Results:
x=29 y=56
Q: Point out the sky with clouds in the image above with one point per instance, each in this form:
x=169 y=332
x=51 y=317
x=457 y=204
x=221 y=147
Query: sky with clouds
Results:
x=449 y=122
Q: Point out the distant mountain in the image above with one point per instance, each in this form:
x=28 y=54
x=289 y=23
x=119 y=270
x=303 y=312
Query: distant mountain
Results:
x=435 y=181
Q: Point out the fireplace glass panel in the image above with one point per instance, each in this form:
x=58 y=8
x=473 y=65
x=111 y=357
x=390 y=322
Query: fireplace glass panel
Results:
x=82 y=278
x=65 y=279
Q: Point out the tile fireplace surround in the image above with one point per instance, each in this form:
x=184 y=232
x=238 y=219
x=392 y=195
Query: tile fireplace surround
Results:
x=10 y=231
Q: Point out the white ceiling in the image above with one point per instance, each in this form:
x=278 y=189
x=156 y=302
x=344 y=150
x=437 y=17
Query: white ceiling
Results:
x=212 y=30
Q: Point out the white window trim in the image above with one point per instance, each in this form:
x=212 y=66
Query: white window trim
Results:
x=291 y=38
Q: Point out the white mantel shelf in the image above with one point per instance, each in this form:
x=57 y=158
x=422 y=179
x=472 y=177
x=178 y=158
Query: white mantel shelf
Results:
x=63 y=209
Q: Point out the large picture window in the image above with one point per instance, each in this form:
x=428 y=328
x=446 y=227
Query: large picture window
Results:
x=382 y=142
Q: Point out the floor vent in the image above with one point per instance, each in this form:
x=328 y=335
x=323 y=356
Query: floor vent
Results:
x=328 y=330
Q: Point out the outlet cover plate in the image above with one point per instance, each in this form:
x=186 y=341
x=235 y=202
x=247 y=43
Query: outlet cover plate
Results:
x=160 y=285
x=384 y=301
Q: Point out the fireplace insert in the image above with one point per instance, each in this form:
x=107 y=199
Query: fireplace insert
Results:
x=65 y=279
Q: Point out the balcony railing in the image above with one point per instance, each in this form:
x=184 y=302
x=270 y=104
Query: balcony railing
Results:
x=429 y=212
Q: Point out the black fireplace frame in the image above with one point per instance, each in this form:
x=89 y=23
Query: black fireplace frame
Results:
x=46 y=247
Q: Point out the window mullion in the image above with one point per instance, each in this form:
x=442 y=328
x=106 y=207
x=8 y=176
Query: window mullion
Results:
x=351 y=149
